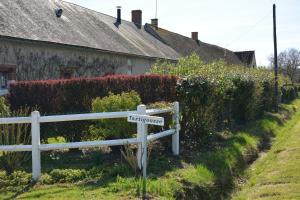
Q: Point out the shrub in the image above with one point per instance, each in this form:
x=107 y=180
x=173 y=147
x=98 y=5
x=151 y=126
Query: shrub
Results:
x=114 y=128
x=268 y=95
x=245 y=99
x=76 y=95
x=67 y=175
x=4 y=108
x=12 y=134
x=71 y=175
x=206 y=108
x=217 y=96
x=288 y=93
x=197 y=98
x=14 y=182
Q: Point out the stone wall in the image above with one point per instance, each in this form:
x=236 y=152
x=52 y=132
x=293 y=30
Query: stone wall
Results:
x=41 y=61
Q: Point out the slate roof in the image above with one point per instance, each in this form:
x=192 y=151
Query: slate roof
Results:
x=36 y=20
x=79 y=26
x=186 y=46
x=246 y=56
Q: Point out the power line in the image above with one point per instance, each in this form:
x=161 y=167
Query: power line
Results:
x=250 y=29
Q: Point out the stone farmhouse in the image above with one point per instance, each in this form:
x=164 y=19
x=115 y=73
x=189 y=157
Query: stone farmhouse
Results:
x=53 y=39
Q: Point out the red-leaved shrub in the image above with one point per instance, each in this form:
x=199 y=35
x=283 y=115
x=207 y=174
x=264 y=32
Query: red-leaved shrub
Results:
x=75 y=96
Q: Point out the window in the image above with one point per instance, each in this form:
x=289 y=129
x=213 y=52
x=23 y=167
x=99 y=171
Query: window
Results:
x=7 y=74
x=3 y=80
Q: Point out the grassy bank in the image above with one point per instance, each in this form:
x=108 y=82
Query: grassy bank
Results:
x=207 y=173
x=276 y=175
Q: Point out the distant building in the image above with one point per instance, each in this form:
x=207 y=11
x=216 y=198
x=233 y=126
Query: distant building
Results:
x=52 y=39
x=186 y=46
x=247 y=58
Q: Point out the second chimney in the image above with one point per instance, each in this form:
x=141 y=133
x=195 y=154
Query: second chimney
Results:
x=154 y=23
x=119 y=14
x=136 y=18
x=195 y=36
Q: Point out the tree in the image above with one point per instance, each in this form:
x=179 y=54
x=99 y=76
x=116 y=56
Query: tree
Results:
x=288 y=63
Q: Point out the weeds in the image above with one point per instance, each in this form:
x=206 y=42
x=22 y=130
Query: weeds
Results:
x=129 y=154
x=14 y=134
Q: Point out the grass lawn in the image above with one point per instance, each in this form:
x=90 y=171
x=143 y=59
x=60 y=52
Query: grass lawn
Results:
x=276 y=175
x=207 y=172
x=73 y=192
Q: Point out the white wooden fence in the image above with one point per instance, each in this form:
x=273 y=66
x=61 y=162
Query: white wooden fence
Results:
x=142 y=137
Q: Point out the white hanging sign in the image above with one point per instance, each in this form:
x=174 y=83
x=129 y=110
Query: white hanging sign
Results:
x=146 y=119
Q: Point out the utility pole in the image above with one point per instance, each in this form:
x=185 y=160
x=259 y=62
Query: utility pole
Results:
x=275 y=58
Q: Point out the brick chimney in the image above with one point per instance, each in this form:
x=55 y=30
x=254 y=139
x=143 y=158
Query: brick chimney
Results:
x=154 y=23
x=136 y=18
x=195 y=36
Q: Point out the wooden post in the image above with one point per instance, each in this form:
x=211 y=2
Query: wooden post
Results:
x=175 y=137
x=35 y=141
x=275 y=58
x=142 y=149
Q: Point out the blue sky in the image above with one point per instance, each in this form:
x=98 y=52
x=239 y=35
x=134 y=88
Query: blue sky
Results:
x=235 y=24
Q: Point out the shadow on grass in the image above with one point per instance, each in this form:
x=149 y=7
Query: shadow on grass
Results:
x=25 y=189
x=231 y=156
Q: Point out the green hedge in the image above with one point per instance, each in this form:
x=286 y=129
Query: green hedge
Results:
x=206 y=109
x=289 y=93
x=217 y=96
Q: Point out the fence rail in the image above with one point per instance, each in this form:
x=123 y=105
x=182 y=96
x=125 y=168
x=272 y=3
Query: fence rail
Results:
x=141 y=140
x=79 y=117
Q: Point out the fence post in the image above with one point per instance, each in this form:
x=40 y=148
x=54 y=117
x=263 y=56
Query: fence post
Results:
x=175 y=137
x=141 y=135
x=142 y=132
x=35 y=141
